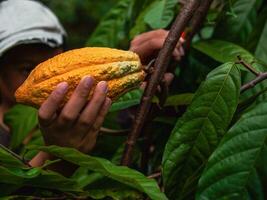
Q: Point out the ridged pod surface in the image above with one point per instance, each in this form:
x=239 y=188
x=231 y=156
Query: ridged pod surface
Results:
x=121 y=69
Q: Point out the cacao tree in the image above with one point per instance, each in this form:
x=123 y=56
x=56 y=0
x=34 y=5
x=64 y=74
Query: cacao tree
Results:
x=207 y=141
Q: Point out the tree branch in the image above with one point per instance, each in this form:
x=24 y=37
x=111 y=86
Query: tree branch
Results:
x=261 y=77
x=161 y=65
x=196 y=23
x=246 y=65
x=197 y=20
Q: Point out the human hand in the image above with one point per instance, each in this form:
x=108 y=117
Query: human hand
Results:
x=78 y=123
x=147 y=45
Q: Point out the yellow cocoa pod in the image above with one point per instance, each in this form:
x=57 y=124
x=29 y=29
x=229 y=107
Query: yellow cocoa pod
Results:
x=121 y=69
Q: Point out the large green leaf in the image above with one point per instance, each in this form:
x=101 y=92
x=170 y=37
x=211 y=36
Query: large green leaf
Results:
x=140 y=25
x=230 y=167
x=238 y=26
x=22 y=119
x=111 y=30
x=198 y=132
x=127 y=100
x=261 y=50
x=115 y=193
x=179 y=99
x=223 y=51
x=121 y=174
x=86 y=177
x=6 y=159
x=37 y=177
x=160 y=14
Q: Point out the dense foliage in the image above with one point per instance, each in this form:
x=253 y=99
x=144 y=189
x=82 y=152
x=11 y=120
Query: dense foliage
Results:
x=208 y=140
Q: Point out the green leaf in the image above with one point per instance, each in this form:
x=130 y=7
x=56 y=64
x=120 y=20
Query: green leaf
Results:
x=230 y=167
x=140 y=25
x=114 y=191
x=6 y=159
x=22 y=119
x=160 y=14
x=179 y=100
x=111 y=30
x=198 y=132
x=236 y=28
x=223 y=51
x=85 y=177
x=121 y=174
x=261 y=50
x=37 y=177
x=127 y=100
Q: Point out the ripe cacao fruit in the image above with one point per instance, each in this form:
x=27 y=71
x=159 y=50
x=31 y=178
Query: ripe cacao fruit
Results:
x=121 y=69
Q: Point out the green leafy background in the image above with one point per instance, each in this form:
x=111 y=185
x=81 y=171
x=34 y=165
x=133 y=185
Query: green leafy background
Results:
x=208 y=140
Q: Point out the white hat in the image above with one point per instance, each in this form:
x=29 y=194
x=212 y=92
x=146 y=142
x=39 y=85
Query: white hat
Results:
x=26 y=22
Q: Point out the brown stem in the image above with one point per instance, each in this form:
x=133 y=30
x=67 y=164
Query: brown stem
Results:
x=261 y=77
x=197 y=20
x=196 y=23
x=161 y=65
x=156 y=175
x=246 y=65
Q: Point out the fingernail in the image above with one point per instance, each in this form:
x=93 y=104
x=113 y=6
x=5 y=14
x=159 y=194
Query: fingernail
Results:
x=62 y=87
x=87 y=80
x=103 y=86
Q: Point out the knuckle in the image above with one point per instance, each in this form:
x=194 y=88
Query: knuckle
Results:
x=85 y=123
x=67 y=117
x=155 y=42
x=161 y=32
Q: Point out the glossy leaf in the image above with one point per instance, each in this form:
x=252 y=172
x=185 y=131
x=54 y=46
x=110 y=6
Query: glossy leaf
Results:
x=127 y=100
x=179 y=99
x=230 y=167
x=85 y=177
x=237 y=27
x=6 y=159
x=261 y=50
x=108 y=189
x=121 y=174
x=198 y=132
x=140 y=25
x=22 y=119
x=37 y=177
x=223 y=51
x=160 y=14
x=111 y=30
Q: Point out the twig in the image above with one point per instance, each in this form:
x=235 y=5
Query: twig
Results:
x=197 y=20
x=112 y=132
x=156 y=175
x=161 y=65
x=261 y=77
x=15 y=155
x=246 y=65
